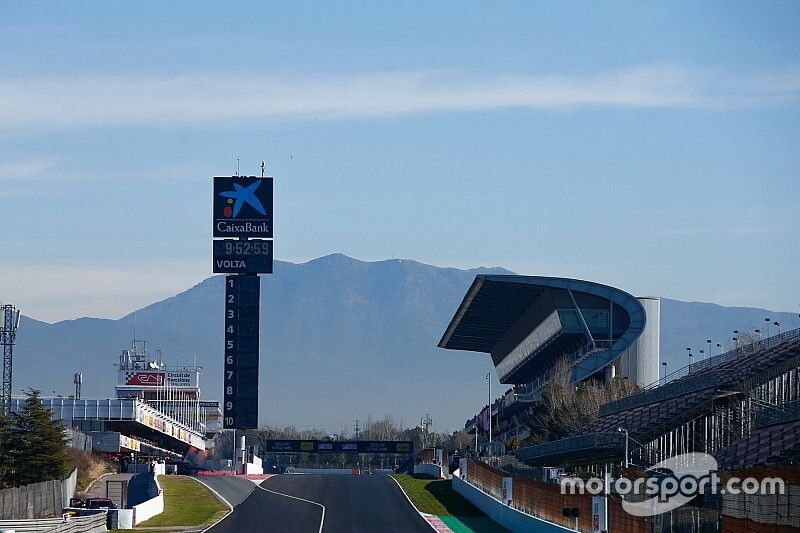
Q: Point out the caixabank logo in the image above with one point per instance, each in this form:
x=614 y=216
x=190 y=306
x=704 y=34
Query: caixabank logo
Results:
x=242 y=207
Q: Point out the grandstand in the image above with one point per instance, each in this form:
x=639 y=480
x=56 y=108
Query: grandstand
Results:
x=157 y=411
x=135 y=423
x=527 y=323
x=742 y=406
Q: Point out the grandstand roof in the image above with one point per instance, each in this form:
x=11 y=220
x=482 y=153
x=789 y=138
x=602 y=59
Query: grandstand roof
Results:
x=526 y=322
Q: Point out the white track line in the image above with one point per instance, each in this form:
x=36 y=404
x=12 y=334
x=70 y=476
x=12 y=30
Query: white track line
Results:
x=322 y=519
x=230 y=512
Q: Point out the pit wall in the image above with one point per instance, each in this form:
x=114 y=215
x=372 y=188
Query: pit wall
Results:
x=152 y=507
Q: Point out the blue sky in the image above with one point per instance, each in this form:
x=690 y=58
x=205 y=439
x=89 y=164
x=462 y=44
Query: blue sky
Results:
x=654 y=147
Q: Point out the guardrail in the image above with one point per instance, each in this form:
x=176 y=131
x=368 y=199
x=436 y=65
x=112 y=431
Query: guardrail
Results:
x=95 y=523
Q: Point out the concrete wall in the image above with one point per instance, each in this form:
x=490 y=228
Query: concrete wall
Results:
x=152 y=507
x=253 y=466
x=506 y=516
x=430 y=469
x=120 y=518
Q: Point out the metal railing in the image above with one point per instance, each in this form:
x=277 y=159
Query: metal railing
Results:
x=730 y=355
x=666 y=392
x=648 y=394
x=778 y=414
x=531 y=390
x=569 y=444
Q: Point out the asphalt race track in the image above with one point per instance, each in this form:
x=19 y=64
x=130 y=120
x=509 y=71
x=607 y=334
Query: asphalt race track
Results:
x=234 y=489
x=351 y=504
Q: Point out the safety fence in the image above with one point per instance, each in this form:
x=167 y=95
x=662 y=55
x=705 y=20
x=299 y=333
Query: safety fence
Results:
x=38 y=500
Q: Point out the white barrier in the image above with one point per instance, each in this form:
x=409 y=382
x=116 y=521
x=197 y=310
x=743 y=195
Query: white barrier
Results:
x=254 y=467
x=429 y=469
x=120 y=518
x=152 y=507
x=504 y=515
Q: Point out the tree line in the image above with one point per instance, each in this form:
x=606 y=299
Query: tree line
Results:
x=32 y=445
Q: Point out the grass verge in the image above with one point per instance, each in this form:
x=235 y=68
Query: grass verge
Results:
x=91 y=467
x=435 y=496
x=186 y=503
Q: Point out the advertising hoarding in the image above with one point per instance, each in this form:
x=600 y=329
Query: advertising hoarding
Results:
x=334 y=446
x=180 y=379
x=242 y=207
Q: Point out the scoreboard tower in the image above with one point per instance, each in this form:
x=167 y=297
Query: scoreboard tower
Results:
x=242 y=249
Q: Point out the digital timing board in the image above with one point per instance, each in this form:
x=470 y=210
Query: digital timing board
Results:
x=242 y=214
x=232 y=256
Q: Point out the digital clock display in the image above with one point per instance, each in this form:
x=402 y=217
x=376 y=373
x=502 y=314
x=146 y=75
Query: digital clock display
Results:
x=242 y=257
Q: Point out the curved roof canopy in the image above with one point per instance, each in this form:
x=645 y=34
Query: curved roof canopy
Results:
x=527 y=322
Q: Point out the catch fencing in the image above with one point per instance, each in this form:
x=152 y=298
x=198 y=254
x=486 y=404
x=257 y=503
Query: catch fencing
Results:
x=38 y=500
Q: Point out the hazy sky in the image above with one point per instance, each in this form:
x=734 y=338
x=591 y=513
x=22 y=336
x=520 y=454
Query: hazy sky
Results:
x=651 y=147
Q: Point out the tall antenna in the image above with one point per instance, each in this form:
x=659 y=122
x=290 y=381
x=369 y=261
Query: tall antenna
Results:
x=263 y=168
x=237 y=167
x=8 y=333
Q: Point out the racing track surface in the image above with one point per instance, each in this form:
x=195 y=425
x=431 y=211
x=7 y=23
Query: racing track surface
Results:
x=351 y=504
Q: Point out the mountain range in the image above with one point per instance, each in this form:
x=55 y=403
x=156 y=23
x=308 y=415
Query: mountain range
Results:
x=342 y=339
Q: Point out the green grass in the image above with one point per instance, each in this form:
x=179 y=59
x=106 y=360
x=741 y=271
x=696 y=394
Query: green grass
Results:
x=435 y=496
x=186 y=503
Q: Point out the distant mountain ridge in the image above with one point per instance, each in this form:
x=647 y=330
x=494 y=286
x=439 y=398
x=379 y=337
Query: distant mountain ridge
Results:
x=341 y=339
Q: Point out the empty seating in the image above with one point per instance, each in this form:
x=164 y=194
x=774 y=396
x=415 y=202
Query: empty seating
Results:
x=771 y=444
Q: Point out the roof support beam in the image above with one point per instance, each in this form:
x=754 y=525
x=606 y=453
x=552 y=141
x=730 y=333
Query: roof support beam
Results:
x=583 y=321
